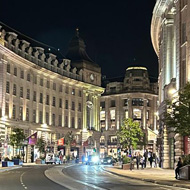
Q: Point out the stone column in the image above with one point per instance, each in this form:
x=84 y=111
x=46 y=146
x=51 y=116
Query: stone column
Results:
x=84 y=110
x=144 y=114
x=28 y=154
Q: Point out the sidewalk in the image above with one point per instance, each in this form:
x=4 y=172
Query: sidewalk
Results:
x=154 y=175
x=2 y=169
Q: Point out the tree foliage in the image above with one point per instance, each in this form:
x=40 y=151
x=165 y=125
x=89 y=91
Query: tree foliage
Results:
x=68 y=138
x=41 y=145
x=17 y=137
x=129 y=134
x=177 y=114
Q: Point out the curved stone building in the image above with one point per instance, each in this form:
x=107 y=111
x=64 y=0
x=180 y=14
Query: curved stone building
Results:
x=170 y=33
x=42 y=91
x=133 y=96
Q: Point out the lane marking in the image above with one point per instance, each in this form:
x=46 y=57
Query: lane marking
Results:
x=21 y=180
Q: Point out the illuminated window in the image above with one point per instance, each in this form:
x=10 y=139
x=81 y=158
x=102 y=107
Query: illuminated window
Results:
x=102 y=115
x=112 y=114
x=136 y=113
x=126 y=114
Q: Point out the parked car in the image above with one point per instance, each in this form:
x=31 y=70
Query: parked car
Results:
x=108 y=160
x=92 y=159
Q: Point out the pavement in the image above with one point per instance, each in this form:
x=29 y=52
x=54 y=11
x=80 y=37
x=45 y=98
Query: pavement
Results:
x=154 y=175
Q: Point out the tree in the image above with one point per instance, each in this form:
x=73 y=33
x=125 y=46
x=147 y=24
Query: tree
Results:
x=16 y=138
x=177 y=114
x=41 y=145
x=129 y=134
x=68 y=138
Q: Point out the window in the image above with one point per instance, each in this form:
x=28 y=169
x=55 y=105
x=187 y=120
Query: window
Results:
x=40 y=117
x=148 y=103
x=66 y=90
x=41 y=82
x=112 y=103
x=54 y=102
x=35 y=79
x=28 y=94
x=80 y=93
x=27 y=114
x=8 y=68
x=136 y=113
x=113 y=89
x=73 y=122
x=125 y=102
x=60 y=102
x=7 y=109
x=79 y=123
x=14 y=89
x=112 y=114
x=28 y=77
x=15 y=71
x=34 y=116
x=73 y=106
x=20 y=113
x=47 y=118
x=14 y=112
x=73 y=92
x=102 y=115
x=48 y=84
x=60 y=120
x=102 y=104
x=66 y=104
x=54 y=86
x=126 y=114
x=147 y=115
x=22 y=74
x=53 y=119
x=47 y=99
x=137 y=102
x=60 y=88
x=66 y=121
x=21 y=92
x=7 y=87
x=41 y=98
x=79 y=108
x=34 y=96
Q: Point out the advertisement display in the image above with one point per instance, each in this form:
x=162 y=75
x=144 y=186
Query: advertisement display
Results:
x=32 y=139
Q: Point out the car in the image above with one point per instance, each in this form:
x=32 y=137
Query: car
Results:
x=92 y=159
x=108 y=160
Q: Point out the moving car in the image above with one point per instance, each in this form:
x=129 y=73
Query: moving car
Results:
x=92 y=159
x=108 y=160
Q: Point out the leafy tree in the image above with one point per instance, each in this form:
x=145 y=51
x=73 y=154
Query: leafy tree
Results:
x=41 y=145
x=129 y=134
x=16 y=138
x=68 y=138
x=177 y=115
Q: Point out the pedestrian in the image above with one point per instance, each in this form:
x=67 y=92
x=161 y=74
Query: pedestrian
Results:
x=142 y=161
x=151 y=159
x=145 y=157
x=138 y=160
x=61 y=158
x=179 y=165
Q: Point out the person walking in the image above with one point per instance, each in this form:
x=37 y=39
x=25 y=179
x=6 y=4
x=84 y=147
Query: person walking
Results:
x=138 y=160
x=179 y=165
x=145 y=157
x=151 y=159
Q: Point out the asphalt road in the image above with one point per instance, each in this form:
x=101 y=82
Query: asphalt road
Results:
x=30 y=178
x=96 y=177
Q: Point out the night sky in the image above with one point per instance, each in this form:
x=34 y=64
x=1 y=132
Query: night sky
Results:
x=116 y=33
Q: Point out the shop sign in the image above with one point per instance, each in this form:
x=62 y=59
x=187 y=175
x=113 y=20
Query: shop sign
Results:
x=60 y=142
x=32 y=139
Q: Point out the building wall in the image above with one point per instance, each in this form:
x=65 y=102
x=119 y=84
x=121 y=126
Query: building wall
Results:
x=171 y=38
x=39 y=93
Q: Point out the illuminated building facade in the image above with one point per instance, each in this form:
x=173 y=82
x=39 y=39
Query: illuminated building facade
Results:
x=132 y=97
x=170 y=33
x=42 y=91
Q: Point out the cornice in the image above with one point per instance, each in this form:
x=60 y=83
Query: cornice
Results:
x=160 y=8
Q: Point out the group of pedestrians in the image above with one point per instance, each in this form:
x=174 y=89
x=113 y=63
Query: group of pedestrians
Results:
x=143 y=159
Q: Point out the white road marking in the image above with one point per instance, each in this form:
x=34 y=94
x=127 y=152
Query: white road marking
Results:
x=21 y=180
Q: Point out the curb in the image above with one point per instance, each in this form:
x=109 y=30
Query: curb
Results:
x=149 y=180
x=12 y=168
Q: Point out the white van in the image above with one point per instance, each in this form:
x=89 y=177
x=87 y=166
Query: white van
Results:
x=50 y=158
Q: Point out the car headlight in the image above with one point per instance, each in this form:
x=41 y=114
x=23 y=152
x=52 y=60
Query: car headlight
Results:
x=95 y=159
x=109 y=161
x=86 y=159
